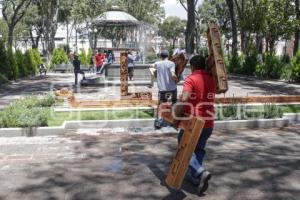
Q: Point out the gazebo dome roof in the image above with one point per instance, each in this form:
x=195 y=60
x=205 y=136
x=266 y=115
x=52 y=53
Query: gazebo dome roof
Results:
x=115 y=18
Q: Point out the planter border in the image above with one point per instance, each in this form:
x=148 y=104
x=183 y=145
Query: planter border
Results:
x=288 y=119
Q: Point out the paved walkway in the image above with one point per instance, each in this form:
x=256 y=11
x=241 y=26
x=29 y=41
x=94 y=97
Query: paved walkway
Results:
x=238 y=87
x=86 y=165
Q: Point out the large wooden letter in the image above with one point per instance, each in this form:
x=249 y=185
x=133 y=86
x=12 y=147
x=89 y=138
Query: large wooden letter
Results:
x=124 y=74
x=192 y=131
x=216 y=54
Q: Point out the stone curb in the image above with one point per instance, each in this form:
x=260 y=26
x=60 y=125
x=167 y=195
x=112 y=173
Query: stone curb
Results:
x=288 y=119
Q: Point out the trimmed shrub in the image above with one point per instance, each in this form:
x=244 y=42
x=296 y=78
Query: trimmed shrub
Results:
x=235 y=64
x=83 y=58
x=23 y=71
x=271 y=67
x=59 y=57
x=29 y=112
x=29 y=62
x=295 y=68
x=4 y=67
x=151 y=57
x=13 y=72
x=3 y=79
x=272 y=111
x=250 y=63
x=37 y=57
x=286 y=59
x=90 y=56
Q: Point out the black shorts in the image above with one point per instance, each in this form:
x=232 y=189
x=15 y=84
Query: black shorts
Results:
x=163 y=96
x=130 y=71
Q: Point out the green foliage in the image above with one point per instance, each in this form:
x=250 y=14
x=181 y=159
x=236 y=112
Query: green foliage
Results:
x=235 y=64
x=295 y=68
x=83 y=57
x=3 y=79
x=29 y=112
x=30 y=63
x=89 y=56
x=59 y=57
x=13 y=72
x=272 y=111
x=287 y=72
x=23 y=71
x=172 y=28
x=4 y=66
x=286 y=59
x=151 y=57
x=244 y=112
x=37 y=57
x=271 y=67
x=250 y=63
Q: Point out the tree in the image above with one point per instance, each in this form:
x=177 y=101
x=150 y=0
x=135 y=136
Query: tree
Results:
x=34 y=25
x=172 y=28
x=13 y=11
x=279 y=22
x=190 y=7
x=233 y=26
x=49 y=14
x=149 y=11
x=297 y=33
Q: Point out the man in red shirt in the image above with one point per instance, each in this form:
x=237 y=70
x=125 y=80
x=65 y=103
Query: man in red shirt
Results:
x=198 y=99
x=99 y=61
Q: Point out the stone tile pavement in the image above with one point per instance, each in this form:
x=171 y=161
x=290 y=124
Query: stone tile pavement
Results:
x=239 y=86
x=87 y=164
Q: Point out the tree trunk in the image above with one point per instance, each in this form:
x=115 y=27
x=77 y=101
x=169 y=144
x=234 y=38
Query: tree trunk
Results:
x=174 y=41
x=10 y=36
x=297 y=33
x=233 y=26
x=191 y=27
x=259 y=44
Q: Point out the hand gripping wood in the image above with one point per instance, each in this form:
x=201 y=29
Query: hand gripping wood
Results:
x=216 y=62
x=192 y=131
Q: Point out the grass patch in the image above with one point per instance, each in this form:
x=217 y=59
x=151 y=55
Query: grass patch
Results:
x=58 y=118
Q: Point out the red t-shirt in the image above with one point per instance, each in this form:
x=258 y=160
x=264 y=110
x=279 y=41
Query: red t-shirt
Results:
x=99 y=60
x=203 y=91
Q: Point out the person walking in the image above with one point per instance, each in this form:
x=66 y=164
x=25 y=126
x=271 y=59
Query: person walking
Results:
x=130 y=66
x=198 y=99
x=166 y=82
x=77 y=70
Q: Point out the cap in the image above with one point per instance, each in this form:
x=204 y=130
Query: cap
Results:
x=164 y=53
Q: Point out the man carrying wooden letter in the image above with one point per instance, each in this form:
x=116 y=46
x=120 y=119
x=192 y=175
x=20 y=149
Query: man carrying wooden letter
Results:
x=198 y=100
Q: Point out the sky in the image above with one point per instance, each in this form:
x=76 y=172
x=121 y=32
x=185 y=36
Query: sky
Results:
x=174 y=8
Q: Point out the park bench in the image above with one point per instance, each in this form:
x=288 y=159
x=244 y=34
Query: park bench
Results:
x=86 y=68
x=63 y=68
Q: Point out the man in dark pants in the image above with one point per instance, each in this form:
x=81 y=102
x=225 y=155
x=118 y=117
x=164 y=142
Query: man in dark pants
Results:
x=198 y=99
x=77 y=70
x=166 y=82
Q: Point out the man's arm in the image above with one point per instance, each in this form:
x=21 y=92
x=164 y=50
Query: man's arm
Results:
x=179 y=108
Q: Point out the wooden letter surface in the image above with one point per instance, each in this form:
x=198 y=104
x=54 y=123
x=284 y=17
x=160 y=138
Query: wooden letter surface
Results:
x=192 y=131
x=218 y=65
x=124 y=74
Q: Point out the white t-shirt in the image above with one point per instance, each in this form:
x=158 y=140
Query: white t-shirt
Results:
x=165 y=68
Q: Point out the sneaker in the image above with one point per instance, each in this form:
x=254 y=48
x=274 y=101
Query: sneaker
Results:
x=192 y=179
x=204 y=179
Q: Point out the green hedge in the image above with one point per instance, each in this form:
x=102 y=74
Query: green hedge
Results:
x=29 y=112
x=295 y=68
x=59 y=57
x=3 y=79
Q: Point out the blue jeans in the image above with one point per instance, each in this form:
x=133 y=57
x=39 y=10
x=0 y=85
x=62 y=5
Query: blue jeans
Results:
x=196 y=162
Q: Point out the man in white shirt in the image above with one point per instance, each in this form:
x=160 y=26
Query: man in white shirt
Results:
x=166 y=81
